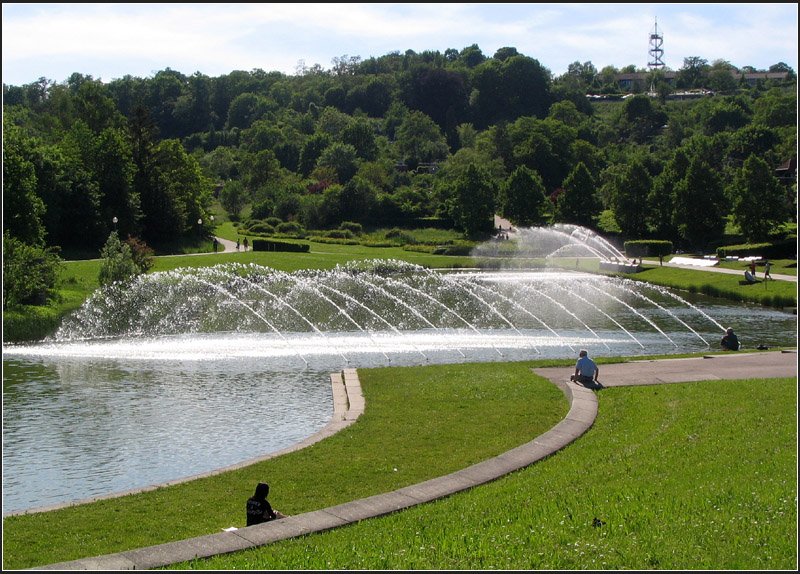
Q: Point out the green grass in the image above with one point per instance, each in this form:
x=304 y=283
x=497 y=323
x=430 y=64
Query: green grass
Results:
x=696 y=476
x=779 y=267
x=422 y=421
x=725 y=285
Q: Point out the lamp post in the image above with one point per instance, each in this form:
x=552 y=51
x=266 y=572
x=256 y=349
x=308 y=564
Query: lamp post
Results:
x=114 y=220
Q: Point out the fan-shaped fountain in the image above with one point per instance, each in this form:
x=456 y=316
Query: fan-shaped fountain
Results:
x=563 y=240
x=225 y=359
x=388 y=308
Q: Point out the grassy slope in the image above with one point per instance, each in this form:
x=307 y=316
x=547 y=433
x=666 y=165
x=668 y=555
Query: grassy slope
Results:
x=673 y=477
x=423 y=421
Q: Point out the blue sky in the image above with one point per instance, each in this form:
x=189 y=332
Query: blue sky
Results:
x=109 y=41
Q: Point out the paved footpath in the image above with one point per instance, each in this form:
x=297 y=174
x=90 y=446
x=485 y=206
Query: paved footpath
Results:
x=581 y=416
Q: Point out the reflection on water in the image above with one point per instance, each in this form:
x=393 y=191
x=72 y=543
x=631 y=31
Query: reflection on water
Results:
x=89 y=418
x=75 y=428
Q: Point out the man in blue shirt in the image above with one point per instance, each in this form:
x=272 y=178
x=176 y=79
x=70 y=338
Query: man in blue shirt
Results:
x=586 y=371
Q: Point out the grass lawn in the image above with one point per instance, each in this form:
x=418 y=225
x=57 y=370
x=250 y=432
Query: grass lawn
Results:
x=695 y=476
x=725 y=285
x=779 y=267
x=423 y=421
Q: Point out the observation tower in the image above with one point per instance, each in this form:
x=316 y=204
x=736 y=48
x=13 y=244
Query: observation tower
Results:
x=656 y=52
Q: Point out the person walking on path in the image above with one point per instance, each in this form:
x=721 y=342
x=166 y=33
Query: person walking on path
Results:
x=767 y=266
x=245 y=243
x=237 y=244
x=586 y=370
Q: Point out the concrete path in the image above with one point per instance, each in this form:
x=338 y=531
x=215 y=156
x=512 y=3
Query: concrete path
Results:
x=581 y=416
x=229 y=246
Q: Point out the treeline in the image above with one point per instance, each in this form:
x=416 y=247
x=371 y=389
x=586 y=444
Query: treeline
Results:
x=392 y=141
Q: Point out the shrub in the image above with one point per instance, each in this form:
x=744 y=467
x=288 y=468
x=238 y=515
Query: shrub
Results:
x=29 y=272
x=786 y=249
x=340 y=234
x=352 y=226
x=400 y=236
x=272 y=245
x=118 y=263
x=648 y=248
x=141 y=252
x=262 y=227
x=291 y=228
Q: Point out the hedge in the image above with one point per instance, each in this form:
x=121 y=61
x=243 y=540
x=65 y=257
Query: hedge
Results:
x=648 y=248
x=272 y=245
x=786 y=249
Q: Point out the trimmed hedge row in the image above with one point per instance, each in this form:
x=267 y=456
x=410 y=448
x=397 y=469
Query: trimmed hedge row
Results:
x=272 y=245
x=786 y=249
x=648 y=248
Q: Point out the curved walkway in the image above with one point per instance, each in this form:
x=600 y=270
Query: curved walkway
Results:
x=228 y=246
x=581 y=416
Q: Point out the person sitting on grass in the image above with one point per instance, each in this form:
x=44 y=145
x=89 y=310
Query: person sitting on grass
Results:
x=258 y=507
x=586 y=371
x=730 y=342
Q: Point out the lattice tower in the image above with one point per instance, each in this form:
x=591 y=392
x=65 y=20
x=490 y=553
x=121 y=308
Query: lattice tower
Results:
x=656 y=52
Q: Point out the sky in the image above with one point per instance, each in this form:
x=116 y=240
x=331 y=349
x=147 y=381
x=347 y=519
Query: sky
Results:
x=110 y=41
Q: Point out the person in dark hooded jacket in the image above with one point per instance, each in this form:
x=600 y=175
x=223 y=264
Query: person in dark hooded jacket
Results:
x=730 y=342
x=258 y=507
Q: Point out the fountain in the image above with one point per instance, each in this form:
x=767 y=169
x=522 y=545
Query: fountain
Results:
x=147 y=373
x=564 y=240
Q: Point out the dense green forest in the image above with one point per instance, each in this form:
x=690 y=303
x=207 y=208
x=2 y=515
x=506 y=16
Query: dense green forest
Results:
x=400 y=141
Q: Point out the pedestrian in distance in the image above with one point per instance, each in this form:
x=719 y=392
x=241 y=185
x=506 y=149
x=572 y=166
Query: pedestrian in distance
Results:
x=767 y=266
x=237 y=244
x=245 y=243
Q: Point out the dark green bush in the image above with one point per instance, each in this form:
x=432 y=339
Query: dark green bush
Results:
x=786 y=249
x=29 y=272
x=453 y=250
x=272 y=245
x=261 y=227
x=352 y=226
x=648 y=248
x=291 y=228
x=401 y=236
x=339 y=234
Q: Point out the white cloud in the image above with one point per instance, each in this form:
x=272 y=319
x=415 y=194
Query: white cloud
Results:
x=112 y=40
